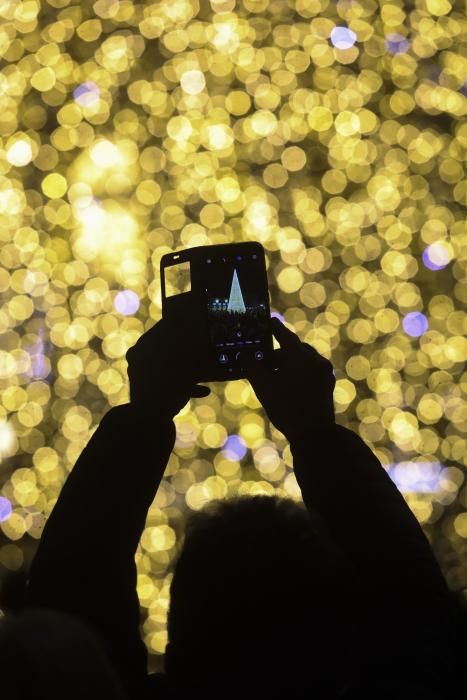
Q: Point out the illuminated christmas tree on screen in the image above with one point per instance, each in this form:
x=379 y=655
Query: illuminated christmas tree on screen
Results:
x=236 y=302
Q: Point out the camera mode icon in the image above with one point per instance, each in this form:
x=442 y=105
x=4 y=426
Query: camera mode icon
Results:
x=223 y=358
x=259 y=355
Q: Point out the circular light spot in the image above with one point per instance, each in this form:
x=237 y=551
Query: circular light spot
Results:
x=320 y=118
x=87 y=94
x=70 y=367
x=5 y=509
x=179 y=128
x=396 y=43
x=234 y=448
x=126 y=302
x=293 y=158
x=219 y=136
x=193 y=82
x=20 y=153
x=43 y=79
x=214 y=435
x=105 y=154
x=54 y=186
x=460 y=525
x=343 y=38
x=347 y=123
x=290 y=279
x=344 y=392
x=8 y=440
x=415 y=324
x=439 y=7
x=436 y=256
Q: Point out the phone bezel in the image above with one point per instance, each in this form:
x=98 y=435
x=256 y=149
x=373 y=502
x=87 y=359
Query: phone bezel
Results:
x=211 y=371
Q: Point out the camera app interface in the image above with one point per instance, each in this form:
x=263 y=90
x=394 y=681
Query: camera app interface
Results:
x=237 y=307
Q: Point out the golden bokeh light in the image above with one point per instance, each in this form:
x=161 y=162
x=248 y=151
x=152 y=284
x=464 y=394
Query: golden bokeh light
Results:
x=333 y=134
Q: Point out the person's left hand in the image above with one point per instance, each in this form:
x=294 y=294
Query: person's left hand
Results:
x=163 y=366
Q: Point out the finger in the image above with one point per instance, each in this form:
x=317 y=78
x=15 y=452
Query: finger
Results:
x=188 y=318
x=315 y=355
x=146 y=341
x=199 y=391
x=164 y=337
x=259 y=374
x=287 y=339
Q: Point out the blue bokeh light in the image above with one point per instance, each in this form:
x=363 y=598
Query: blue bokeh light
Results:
x=6 y=509
x=126 y=302
x=436 y=256
x=87 y=94
x=416 y=477
x=234 y=448
x=40 y=368
x=397 y=43
x=415 y=324
x=343 y=38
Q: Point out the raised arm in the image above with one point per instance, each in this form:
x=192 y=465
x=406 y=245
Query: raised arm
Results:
x=85 y=562
x=407 y=604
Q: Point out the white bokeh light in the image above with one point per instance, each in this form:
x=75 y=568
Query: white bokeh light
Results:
x=343 y=38
x=193 y=82
x=20 y=153
x=126 y=302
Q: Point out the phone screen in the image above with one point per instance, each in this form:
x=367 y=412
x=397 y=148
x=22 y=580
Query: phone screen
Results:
x=237 y=306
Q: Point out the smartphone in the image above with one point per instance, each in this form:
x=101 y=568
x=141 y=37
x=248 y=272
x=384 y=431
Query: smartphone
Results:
x=226 y=285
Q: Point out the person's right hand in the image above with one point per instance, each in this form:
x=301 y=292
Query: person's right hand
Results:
x=163 y=366
x=298 y=394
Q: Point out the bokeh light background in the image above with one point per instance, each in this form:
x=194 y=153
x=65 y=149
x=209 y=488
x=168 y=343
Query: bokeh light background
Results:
x=332 y=133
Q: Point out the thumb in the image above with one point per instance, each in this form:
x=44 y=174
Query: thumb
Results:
x=199 y=391
x=255 y=371
x=288 y=340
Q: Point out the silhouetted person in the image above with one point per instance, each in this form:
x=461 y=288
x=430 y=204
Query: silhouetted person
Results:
x=259 y=592
x=267 y=600
x=47 y=655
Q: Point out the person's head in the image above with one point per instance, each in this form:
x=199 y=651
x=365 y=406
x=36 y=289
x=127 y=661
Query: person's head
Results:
x=48 y=655
x=260 y=596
